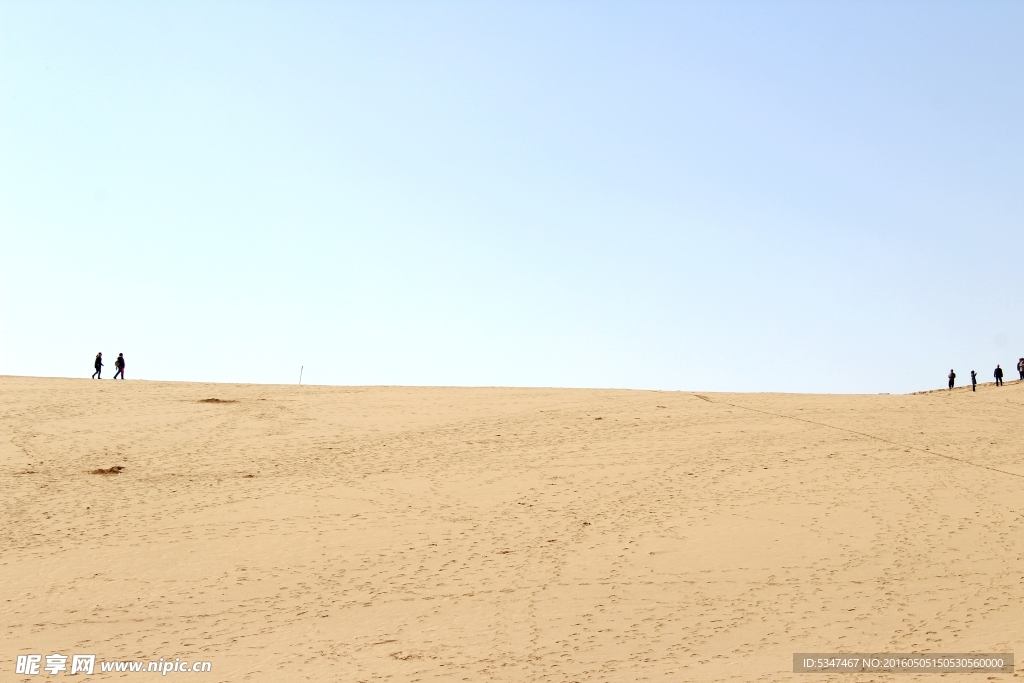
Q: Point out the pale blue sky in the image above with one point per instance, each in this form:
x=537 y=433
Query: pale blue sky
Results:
x=757 y=196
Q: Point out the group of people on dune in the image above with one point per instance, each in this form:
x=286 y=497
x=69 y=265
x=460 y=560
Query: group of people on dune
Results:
x=998 y=374
x=98 y=364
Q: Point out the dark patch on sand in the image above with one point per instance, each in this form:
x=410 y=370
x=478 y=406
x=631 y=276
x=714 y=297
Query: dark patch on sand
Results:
x=405 y=656
x=116 y=469
x=217 y=400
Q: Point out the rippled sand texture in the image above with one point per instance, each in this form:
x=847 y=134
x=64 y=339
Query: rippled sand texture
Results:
x=367 y=534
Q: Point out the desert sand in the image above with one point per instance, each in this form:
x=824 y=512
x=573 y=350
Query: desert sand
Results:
x=292 y=533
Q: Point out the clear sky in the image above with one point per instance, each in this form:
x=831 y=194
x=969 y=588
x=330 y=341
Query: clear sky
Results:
x=761 y=196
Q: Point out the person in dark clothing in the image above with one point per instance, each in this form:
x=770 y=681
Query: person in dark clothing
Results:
x=998 y=374
x=974 y=381
x=119 y=364
x=952 y=378
x=98 y=365
x=1020 y=368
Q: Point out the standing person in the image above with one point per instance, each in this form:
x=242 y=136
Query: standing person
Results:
x=998 y=374
x=119 y=364
x=1020 y=367
x=974 y=381
x=98 y=365
x=952 y=377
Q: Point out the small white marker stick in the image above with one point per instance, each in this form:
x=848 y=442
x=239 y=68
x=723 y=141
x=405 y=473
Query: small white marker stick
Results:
x=301 y=368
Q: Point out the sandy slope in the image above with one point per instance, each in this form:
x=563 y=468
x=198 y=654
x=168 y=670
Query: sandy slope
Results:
x=363 y=534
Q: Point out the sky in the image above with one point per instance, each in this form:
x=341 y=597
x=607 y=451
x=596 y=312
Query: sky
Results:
x=717 y=196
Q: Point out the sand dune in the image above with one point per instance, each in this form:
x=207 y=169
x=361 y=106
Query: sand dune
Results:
x=410 y=534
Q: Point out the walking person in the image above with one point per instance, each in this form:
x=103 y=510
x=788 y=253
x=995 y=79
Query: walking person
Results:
x=952 y=378
x=998 y=374
x=119 y=364
x=974 y=381
x=98 y=365
x=1020 y=368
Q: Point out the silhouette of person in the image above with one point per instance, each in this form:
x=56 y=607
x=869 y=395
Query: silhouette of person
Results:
x=1020 y=367
x=98 y=365
x=974 y=381
x=998 y=374
x=119 y=364
x=952 y=377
